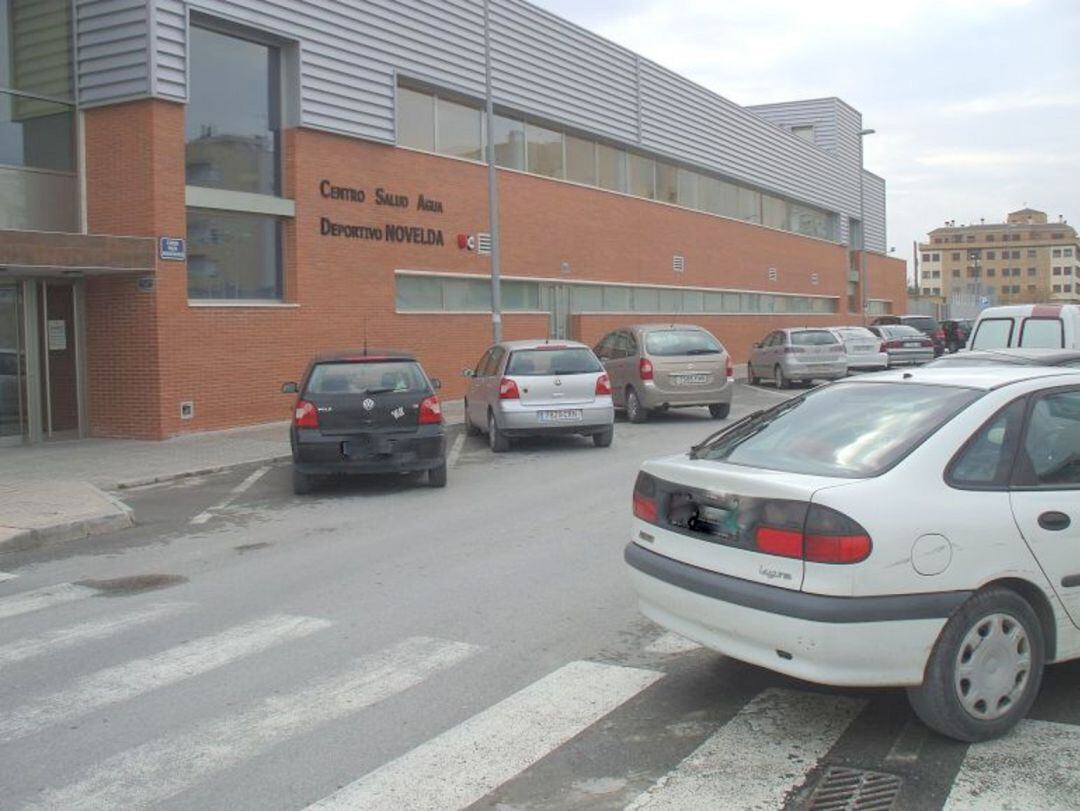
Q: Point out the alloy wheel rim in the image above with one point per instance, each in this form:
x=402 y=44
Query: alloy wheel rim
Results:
x=632 y=405
x=993 y=667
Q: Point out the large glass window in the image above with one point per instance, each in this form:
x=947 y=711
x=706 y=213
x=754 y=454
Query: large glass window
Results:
x=233 y=255
x=415 y=119
x=458 y=130
x=749 y=203
x=611 y=168
x=545 y=151
x=36 y=134
x=775 y=212
x=233 y=114
x=667 y=182
x=688 y=188
x=642 y=176
x=36 y=47
x=509 y=142
x=580 y=160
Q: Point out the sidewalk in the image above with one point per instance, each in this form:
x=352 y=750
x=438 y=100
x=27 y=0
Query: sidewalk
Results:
x=57 y=491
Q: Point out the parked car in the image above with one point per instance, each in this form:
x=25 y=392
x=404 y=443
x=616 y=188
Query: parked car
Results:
x=797 y=355
x=865 y=351
x=905 y=345
x=1014 y=357
x=916 y=529
x=925 y=324
x=539 y=388
x=662 y=366
x=1031 y=326
x=956 y=333
x=366 y=412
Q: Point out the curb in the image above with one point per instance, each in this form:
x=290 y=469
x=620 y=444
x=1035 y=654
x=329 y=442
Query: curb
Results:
x=21 y=540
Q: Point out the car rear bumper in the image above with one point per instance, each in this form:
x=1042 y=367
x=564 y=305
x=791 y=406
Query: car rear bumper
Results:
x=653 y=396
x=874 y=361
x=907 y=357
x=515 y=419
x=316 y=454
x=845 y=641
x=818 y=371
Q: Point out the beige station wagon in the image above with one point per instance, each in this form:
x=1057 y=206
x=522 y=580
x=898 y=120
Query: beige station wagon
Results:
x=661 y=366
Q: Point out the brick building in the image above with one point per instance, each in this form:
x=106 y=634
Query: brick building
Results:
x=195 y=197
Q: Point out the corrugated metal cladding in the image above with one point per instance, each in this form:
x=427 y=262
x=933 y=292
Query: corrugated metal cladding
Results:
x=875 y=211
x=820 y=114
x=352 y=51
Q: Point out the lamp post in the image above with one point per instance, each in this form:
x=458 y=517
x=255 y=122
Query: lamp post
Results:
x=865 y=300
x=493 y=185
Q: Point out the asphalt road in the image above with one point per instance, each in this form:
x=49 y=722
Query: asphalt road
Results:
x=382 y=644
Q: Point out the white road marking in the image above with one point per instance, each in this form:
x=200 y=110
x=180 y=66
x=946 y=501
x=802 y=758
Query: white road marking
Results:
x=85 y=632
x=41 y=598
x=243 y=487
x=1034 y=766
x=463 y=764
x=7 y=576
x=759 y=756
x=455 y=450
x=671 y=644
x=123 y=682
x=147 y=775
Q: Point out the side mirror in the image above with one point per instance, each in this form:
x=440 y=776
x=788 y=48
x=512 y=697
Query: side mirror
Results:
x=290 y=388
x=436 y=383
x=468 y=373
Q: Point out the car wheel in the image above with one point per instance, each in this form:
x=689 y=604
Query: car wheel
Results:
x=604 y=438
x=635 y=412
x=778 y=378
x=497 y=440
x=302 y=483
x=754 y=379
x=436 y=476
x=985 y=668
x=720 y=411
x=470 y=429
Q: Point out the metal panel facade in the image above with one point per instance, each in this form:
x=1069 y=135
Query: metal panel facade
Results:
x=351 y=55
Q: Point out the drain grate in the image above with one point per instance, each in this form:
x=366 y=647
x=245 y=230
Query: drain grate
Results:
x=854 y=790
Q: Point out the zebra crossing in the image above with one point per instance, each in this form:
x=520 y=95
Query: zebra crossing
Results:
x=765 y=755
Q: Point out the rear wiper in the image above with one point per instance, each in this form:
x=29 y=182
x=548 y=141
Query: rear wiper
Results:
x=703 y=352
x=376 y=391
x=694 y=449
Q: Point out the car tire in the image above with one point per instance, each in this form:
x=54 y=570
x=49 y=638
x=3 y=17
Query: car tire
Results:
x=436 y=476
x=635 y=411
x=720 y=411
x=604 y=438
x=470 y=429
x=778 y=378
x=302 y=483
x=754 y=379
x=1003 y=624
x=497 y=440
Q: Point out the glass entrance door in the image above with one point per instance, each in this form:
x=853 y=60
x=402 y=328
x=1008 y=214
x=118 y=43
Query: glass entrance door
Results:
x=13 y=408
x=60 y=361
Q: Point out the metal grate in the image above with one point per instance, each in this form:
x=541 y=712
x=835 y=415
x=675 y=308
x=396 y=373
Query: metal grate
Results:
x=483 y=243
x=854 y=790
x=678 y=264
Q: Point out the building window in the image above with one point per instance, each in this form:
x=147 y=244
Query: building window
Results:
x=804 y=132
x=457 y=130
x=667 y=182
x=1057 y=253
x=1031 y=271
x=545 y=151
x=926 y=257
x=989 y=237
x=1031 y=253
x=1067 y=252
x=611 y=168
x=1016 y=254
x=1057 y=271
x=1057 y=288
x=36 y=134
x=580 y=160
x=956 y=257
x=415 y=119
x=688 y=188
x=990 y=271
x=970 y=237
x=642 y=176
x=774 y=211
x=233 y=121
x=992 y=255
x=509 y=142
x=233 y=256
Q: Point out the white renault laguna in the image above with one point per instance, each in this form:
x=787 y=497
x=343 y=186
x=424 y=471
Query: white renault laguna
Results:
x=917 y=529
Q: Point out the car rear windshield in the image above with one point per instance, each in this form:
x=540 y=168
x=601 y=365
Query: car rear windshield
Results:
x=856 y=333
x=813 y=337
x=670 y=342
x=369 y=377
x=993 y=333
x=540 y=362
x=1042 y=333
x=924 y=323
x=901 y=331
x=852 y=430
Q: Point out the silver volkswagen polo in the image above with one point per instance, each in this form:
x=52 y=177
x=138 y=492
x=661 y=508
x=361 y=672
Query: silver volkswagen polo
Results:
x=536 y=388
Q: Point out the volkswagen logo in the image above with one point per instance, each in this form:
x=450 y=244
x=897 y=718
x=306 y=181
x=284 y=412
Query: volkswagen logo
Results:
x=368 y=404
x=558 y=381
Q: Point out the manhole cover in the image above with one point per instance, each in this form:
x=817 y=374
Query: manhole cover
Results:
x=854 y=790
x=120 y=586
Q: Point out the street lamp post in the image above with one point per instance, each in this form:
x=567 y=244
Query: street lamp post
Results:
x=864 y=298
x=493 y=185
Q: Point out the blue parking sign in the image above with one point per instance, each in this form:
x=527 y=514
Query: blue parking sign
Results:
x=173 y=248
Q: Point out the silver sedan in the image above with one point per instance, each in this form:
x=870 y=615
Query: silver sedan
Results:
x=530 y=388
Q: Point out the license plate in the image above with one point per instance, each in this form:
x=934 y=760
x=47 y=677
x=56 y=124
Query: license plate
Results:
x=565 y=415
x=868 y=348
x=369 y=446
x=690 y=380
x=912 y=343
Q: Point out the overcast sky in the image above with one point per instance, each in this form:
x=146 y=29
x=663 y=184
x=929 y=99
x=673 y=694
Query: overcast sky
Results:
x=976 y=103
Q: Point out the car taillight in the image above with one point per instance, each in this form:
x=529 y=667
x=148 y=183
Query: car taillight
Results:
x=883 y=346
x=939 y=334
x=603 y=386
x=508 y=390
x=730 y=369
x=827 y=536
x=645 y=370
x=645 y=506
x=892 y=344
x=430 y=411
x=306 y=416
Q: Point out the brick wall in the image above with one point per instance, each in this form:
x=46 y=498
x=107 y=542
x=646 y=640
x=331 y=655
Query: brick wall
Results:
x=232 y=360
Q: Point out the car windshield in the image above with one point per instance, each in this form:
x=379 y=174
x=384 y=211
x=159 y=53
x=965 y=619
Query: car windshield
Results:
x=541 y=362
x=351 y=377
x=681 y=342
x=901 y=331
x=813 y=337
x=851 y=431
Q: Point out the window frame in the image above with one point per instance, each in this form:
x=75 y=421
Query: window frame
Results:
x=1016 y=482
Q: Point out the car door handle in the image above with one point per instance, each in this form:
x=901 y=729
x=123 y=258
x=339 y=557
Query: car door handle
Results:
x=1054 y=521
